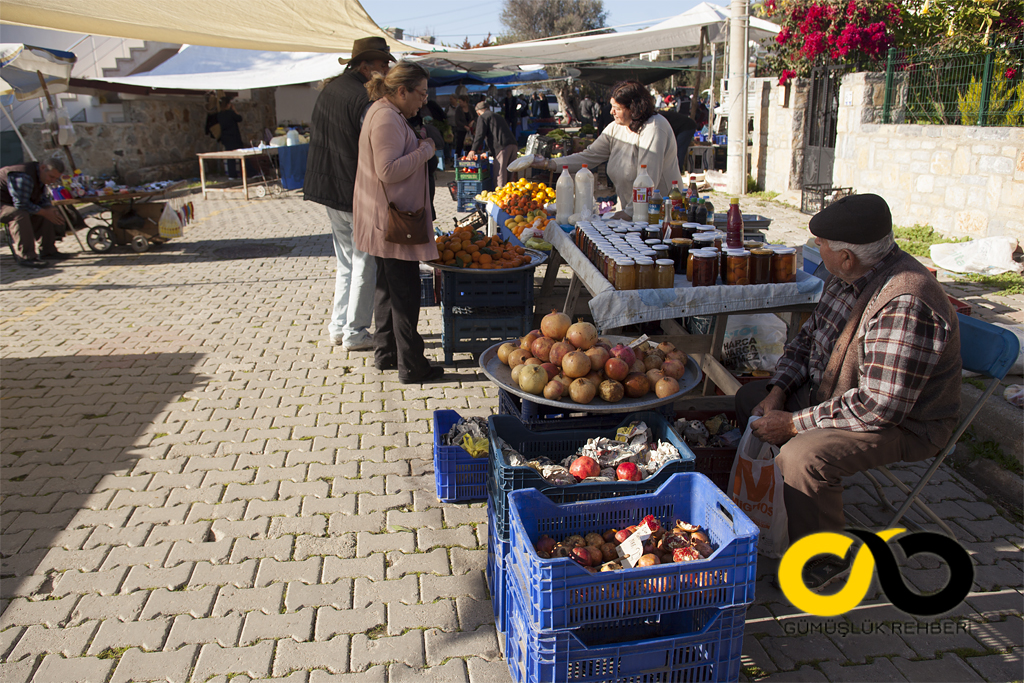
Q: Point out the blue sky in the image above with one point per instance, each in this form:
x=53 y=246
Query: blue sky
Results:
x=452 y=20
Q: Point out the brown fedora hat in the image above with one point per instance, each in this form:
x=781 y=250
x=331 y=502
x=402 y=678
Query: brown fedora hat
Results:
x=369 y=49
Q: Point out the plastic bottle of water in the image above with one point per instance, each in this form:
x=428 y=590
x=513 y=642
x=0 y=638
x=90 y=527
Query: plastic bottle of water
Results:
x=643 y=187
x=584 y=193
x=565 y=197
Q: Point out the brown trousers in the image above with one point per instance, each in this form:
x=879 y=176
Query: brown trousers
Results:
x=814 y=462
x=505 y=156
x=25 y=229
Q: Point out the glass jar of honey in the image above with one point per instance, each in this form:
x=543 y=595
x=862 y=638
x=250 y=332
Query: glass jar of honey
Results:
x=703 y=241
x=704 y=268
x=645 y=273
x=625 y=274
x=737 y=262
x=664 y=273
x=679 y=249
x=784 y=264
x=759 y=269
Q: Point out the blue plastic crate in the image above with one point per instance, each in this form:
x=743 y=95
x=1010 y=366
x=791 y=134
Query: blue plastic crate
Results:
x=458 y=476
x=469 y=188
x=466 y=204
x=497 y=551
x=538 y=417
x=696 y=645
x=559 y=444
x=564 y=595
x=474 y=330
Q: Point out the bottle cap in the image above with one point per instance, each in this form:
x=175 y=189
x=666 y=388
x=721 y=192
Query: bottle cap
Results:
x=735 y=200
x=665 y=262
x=583 y=166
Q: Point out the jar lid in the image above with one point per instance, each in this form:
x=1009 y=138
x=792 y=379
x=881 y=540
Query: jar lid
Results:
x=644 y=261
x=784 y=250
x=623 y=262
x=692 y=225
x=659 y=247
x=649 y=253
x=682 y=240
x=665 y=262
x=651 y=242
x=737 y=252
x=703 y=253
x=761 y=251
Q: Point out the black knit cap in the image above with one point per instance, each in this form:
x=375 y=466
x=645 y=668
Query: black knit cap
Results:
x=857 y=219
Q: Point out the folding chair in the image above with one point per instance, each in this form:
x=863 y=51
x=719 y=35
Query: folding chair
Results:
x=986 y=349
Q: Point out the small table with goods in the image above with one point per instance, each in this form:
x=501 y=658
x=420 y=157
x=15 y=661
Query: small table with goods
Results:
x=262 y=159
x=131 y=216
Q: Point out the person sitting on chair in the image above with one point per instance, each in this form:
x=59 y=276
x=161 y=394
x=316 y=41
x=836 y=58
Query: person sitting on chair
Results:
x=872 y=378
x=26 y=207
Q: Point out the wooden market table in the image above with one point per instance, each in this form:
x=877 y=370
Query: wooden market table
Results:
x=98 y=240
x=240 y=155
x=794 y=300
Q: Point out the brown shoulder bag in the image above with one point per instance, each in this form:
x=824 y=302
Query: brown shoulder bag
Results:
x=404 y=227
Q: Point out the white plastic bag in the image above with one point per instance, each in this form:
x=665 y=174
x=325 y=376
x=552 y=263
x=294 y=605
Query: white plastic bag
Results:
x=988 y=256
x=753 y=342
x=757 y=490
x=170 y=223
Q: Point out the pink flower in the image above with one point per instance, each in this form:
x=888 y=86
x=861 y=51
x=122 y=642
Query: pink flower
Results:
x=1010 y=73
x=786 y=75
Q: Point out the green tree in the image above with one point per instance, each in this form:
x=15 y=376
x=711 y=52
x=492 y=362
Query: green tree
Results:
x=540 y=19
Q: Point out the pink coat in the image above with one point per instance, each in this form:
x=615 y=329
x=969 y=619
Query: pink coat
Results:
x=389 y=152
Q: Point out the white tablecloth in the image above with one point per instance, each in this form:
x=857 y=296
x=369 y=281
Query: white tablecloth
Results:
x=612 y=308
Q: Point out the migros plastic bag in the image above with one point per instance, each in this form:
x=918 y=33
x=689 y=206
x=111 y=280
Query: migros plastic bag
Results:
x=753 y=342
x=988 y=256
x=757 y=490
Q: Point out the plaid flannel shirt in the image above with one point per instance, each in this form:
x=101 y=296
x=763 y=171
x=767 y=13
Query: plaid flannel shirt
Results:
x=20 y=185
x=901 y=346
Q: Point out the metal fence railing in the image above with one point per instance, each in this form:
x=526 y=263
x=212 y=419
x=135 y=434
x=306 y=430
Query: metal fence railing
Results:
x=968 y=89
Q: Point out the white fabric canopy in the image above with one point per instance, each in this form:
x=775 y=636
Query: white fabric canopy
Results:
x=279 y=25
x=681 y=31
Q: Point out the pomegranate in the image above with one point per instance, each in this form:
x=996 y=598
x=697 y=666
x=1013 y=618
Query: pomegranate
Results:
x=623 y=353
x=504 y=350
x=558 y=351
x=628 y=471
x=611 y=391
x=584 y=467
x=553 y=390
x=651 y=361
x=526 y=341
x=648 y=560
x=518 y=357
x=654 y=375
x=678 y=355
x=532 y=379
x=582 y=335
x=555 y=324
x=551 y=369
x=666 y=348
x=582 y=391
x=638 y=366
x=608 y=552
x=686 y=554
x=581 y=555
x=595 y=376
x=609 y=536
x=666 y=387
x=575 y=364
x=622 y=534
x=541 y=348
x=598 y=356
x=533 y=361
x=652 y=523
x=546 y=544
x=596 y=556
x=565 y=382
x=673 y=368
x=637 y=385
x=515 y=373
x=616 y=369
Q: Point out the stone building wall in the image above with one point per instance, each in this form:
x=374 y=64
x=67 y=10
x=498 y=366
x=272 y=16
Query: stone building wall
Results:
x=961 y=180
x=159 y=139
x=783 y=161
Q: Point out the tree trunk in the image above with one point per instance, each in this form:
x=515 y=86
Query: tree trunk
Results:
x=567 y=101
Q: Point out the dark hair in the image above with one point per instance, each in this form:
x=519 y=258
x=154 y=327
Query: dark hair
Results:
x=634 y=96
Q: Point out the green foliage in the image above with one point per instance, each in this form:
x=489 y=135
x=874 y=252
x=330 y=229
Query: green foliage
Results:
x=916 y=239
x=1006 y=284
x=1005 y=99
x=764 y=195
x=961 y=25
x=990 y=450
x=539 y=19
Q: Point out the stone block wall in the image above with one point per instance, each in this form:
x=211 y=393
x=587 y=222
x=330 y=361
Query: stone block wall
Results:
x=784 y=151
x=761 y=88
x=159 y=139
x=961 y=180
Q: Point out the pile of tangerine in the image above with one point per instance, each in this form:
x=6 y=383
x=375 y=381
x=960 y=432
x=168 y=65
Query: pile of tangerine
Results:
x=522 y=196
x=474 y=249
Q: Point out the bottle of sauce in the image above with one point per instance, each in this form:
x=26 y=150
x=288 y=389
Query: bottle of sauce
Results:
x=734 y=225
x=676 y=199
x=691 y=191
x=565 y=197
x=654 y=208
x=643 y=187
x=711 y=209
x=701 y=215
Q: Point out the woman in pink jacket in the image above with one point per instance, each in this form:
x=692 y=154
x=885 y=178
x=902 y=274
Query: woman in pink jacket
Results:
x=392 y=163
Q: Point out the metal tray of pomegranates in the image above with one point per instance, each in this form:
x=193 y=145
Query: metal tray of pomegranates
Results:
x=537 y=257
x=501 y=374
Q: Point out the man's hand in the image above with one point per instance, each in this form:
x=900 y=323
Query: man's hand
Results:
x=776 y=427
x=52 y=214
x=775 y=400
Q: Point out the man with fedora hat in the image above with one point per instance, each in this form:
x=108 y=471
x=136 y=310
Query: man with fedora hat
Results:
x=330 y=180
x=873 y=377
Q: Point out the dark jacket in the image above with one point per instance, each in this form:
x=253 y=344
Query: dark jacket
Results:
x=230 y=135
x=30 y=169
x=495 y=130
x=334 y=142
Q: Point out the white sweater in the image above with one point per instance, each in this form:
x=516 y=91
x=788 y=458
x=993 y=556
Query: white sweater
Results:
x=625 y=151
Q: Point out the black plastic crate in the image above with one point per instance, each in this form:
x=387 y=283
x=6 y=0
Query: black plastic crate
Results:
x=714 y=463
x=538 y=417
x=474 y=221
x=490 y=288
x=427 y=295
x=466 y=204
x=474 y=330
x=814 y=198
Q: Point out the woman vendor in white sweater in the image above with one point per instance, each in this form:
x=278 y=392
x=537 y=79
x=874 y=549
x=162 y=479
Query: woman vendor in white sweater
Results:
x=638 y=136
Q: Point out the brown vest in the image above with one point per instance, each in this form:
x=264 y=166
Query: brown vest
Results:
x=30 y=169
x=937 y=410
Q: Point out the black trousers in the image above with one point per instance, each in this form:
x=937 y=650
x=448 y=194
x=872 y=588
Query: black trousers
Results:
x=396 y=311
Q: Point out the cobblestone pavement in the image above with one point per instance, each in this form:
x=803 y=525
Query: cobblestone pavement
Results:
x=196 y=485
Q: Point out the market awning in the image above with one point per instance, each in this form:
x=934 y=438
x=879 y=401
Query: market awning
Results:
x=635 y=69
x=21 y=65
x=681 y=31
x=279 y=25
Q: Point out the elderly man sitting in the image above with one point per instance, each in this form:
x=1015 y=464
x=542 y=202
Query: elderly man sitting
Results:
x=872 y=378
x=25 y=207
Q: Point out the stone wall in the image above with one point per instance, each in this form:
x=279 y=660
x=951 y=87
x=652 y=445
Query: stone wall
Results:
x=159 y=139
x=961 y=180
x=761 y=102
x=783 y=161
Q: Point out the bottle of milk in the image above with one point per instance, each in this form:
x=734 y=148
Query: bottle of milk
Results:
x=584 y=193
x=643 y=187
